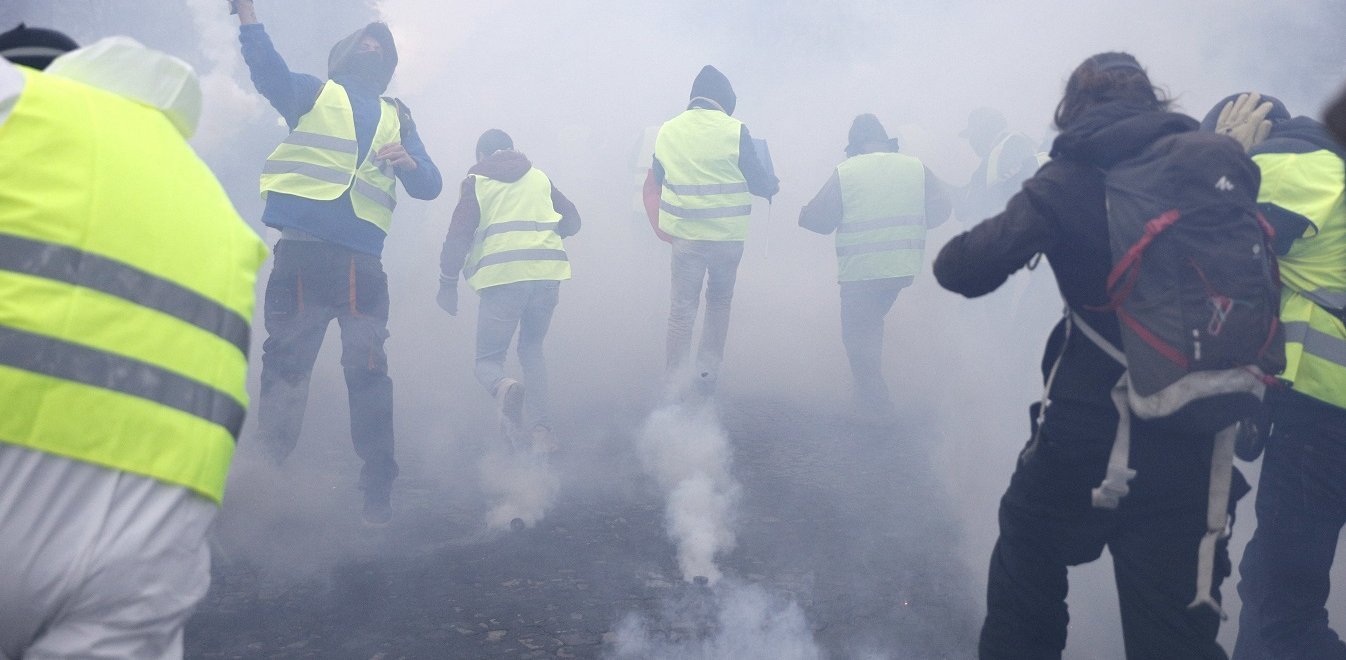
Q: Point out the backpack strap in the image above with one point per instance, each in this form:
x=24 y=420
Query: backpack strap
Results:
x=1116 y=483
x=1217 y=517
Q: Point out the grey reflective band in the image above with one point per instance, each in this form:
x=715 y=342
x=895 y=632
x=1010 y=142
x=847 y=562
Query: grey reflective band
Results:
x=706 y=214
x=375 y=194
x=532 y=254
x=880 y=223
x=1328 y=298
x=1316 y=342
x=706 y=188
x=517 y=225
x=320 y=141
x=32 y=51
x=117 y=373
x=307 y=169
x=886 y=246
x=63 y=263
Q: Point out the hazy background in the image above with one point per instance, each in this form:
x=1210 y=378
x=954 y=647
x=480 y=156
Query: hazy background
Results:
x=578 y=83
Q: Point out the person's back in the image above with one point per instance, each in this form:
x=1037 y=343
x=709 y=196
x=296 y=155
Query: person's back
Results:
x=128 y=279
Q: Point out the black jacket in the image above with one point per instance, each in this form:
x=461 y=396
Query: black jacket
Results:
x=1060 y=213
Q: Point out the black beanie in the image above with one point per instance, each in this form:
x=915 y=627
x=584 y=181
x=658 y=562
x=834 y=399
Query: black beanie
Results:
x=864 y=130
x=34 y=47
x=494 y=140
x=712 y=84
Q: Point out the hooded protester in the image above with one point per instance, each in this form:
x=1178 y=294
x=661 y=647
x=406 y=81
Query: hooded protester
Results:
x=1301 y=507
x=1007 y=159
x=697 y=197
x=330 y=189
x=505 y=237
x=34 y=48
x=1110 y=112
x=879 y=203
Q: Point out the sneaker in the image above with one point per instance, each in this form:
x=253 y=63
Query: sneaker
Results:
x=544 y=442
x=509 y=401
x=377 y=512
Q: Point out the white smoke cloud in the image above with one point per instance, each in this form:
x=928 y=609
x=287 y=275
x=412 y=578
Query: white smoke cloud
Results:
x=687 y=452
x=227 y=107
x=735 y=620
x=522 y=485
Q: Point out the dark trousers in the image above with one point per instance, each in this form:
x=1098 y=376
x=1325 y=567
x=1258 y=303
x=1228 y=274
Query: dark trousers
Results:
x=863 y=308
x=1301 y=507
x=1047 y=524
x=313 y=282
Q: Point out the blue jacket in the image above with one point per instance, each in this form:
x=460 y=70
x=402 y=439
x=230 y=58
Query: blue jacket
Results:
x=293 y=95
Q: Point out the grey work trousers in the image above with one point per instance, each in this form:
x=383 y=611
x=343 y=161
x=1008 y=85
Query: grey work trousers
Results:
x=95 y=562
x=526 y=307
x=714 y=263
x=863 y=308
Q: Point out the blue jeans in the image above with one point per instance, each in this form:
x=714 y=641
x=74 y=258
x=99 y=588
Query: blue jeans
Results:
x=1301 y=507
x=714 y=263
x=526 y=307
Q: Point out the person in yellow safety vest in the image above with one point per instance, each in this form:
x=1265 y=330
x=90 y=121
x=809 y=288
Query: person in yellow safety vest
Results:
x=879 y=203
x=697 y=198
x=330 y=188
x=1008 y=159
x=128 y=285
x=505 y=237
x=1301 y=496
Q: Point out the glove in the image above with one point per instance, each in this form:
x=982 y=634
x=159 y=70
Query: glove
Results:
x=448 y=295
x=1245 y=120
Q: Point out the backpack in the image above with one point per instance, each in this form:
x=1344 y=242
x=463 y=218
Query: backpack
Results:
x=1194 y=281
x=1196 y=291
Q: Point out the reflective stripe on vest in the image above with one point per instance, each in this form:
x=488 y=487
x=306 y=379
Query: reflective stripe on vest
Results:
x=882 y=230
x=1313 y=185
x=124 y=328
x=516 y=240
x=319 y=159
x=705 y=196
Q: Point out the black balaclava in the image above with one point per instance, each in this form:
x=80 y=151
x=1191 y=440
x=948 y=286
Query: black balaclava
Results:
x=34 y=47
x=370 y=72
x=712 y=84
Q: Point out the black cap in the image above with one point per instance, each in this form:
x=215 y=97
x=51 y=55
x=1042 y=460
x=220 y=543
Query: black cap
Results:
x=494 y=140
x=712 y=84
x=34 y=47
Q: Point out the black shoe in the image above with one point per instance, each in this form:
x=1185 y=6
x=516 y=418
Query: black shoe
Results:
x=377 y=512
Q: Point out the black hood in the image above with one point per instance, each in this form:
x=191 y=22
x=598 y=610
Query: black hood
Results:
x=713 y=85
x=1113 y=132
x=1299 y=135
x=506 y=165
x=340 y=57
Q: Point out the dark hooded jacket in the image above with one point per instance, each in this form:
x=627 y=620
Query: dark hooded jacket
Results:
x=293 y=94
x=1060 y=213
x=1336 y=119
x=507 y=166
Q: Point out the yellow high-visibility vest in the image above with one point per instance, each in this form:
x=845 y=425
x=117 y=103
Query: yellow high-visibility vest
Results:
x=705 y=197
x=320 y=158
x=882 y=230
x=516 y=240
x=126 y=290
x=1312 y=185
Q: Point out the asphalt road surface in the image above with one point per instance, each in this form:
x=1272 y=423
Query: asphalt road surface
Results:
x=845 y=520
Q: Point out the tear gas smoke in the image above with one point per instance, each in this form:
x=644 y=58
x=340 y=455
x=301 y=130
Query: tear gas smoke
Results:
x=521 y=484
x=229 y=108
x=731 y=620
x=687 y=452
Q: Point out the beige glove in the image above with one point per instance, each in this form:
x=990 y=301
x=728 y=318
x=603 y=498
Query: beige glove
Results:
x=1245 y=120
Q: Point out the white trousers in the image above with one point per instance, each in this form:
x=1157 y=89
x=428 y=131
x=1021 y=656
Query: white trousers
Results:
x=96 y=563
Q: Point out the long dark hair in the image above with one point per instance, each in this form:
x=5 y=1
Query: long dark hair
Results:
x=1104 y=78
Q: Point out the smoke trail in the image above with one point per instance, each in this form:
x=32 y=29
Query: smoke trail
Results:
x=522 y=484
x=686 y=450
x=733 y=620
x=228 y=108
